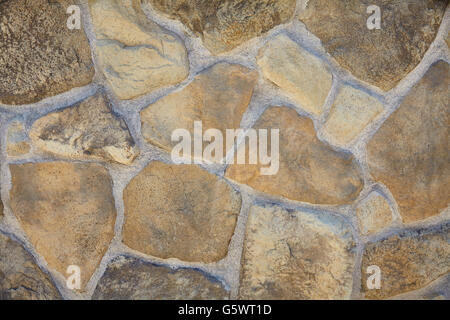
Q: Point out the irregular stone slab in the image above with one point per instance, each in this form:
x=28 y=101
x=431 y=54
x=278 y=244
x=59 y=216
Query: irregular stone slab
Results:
x=380 y=57
x=16 y=140
x=39 y=56
x=67 y=211
x=225 y=24
x=135 y=54
x=408 y=261
x=374 y=214
x=409 y=153
x=20 y=277
x=310 y=171
x=296 y=255
x=87 y=130
x=131 y=279
x=352 y=111
x=302 y=75
x=180 y=212
x=437 y=290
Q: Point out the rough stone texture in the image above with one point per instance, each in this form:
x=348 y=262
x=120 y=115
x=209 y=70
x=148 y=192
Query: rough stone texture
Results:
x=132 y=279
x=20 y=277
x=296 y=255
x=135 y=54
x=17 y=140
x=87 y=130
x=303 y=76
x=39 y=56
x=374 y=214
x=180 y=212
x=352 y=111
x=380 y=57
x=310 y=171
x=67 y=211
x=410 y=152
x=225 y=24
x=408 y=261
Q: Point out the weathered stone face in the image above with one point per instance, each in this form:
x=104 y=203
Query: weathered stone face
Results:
x=380 y=57
x=296 y=255
x=67 y=211
x=87 y=130
x=16 y=139
x=132 y=279
x=39 y=56
x=310 y=171
x=180 y=212
x=225 y=24
x=374 y=214
x=409 y=153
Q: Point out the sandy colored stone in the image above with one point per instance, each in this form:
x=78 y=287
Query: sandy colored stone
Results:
x=131 y=279
x=410 y=152
x=310 y=171
x=374 y=214
x=39 y=56
x=20 y=277
x=87 y=130
x=225 y=24
x=352 y=111
x=437 y=290
x=17 y=140
x=408 y=261
x=67 y=212
x=300 y=74
x=180 y=211
x=296 y=255
x=136 y=55
x=380 y=57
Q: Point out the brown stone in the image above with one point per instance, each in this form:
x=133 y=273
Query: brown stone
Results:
x=180 y=212
x=409 y=153
x=374 y=214
x=16 y=140
x=39 y=56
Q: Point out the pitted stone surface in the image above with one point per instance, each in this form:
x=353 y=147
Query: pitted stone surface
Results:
x=374 y=214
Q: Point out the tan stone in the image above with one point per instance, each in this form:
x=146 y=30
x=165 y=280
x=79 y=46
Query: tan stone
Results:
x=135 y=54
x=296 y=255
x=131 y=279
x=17 y=140
x=87 y=130
x=67 y=212
x=374 y=214
x=302 y=75
x=180 y=212
x=310 y=171
x=409 y=153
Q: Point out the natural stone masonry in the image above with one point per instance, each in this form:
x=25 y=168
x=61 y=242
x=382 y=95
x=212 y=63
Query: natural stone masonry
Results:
x=132 y=279
x=409 y=153
x=310 y=171
x=180 y=211
x=87 y=130
x=380 y=57
x=225 y=24
x=39 y=56
x=67 y=211
x=374 y=214
x=135 y=54
x=408 y=261
x=17 y=140
x=296 y=255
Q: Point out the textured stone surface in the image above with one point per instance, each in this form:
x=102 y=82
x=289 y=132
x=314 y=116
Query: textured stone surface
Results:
x=67 y=211
x=225 y=24
x=410 y=152
x=20 y=277
x=180 y=212
x=296 y=255
x=132 y=279
x=87 y=130
x=310 y=171
x=17 y=140
x=135 y=54
x=374 y=214
x=380 y=57
x=300 y=74
x=39 y=56
x=408 y=261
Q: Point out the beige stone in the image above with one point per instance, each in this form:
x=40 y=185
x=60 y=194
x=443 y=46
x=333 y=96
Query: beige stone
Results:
x=374 y=214
x=300 y=74
x=67 y=212
x=16 y=140
x=180 y=211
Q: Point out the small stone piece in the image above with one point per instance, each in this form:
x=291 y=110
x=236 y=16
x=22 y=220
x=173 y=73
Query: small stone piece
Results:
x=374 y=214
x=16 y=140
x=131 y=279
x=302 y=75
x=87 y=130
